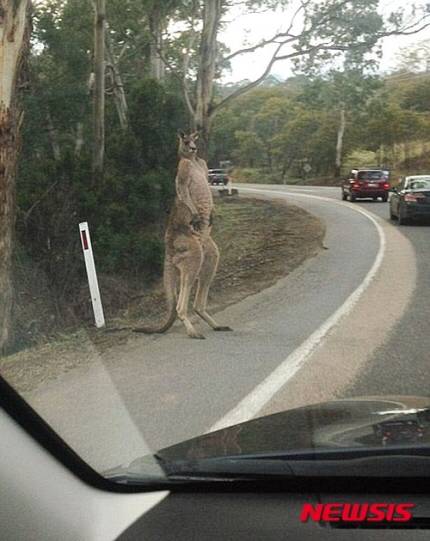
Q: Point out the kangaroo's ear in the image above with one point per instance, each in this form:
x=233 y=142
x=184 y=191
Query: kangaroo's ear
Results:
x=181 y=134
x=195 y=135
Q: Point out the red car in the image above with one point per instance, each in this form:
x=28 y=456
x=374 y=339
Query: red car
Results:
x=366 y=183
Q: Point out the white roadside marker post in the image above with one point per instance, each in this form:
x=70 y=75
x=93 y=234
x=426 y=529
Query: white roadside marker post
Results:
x=92 y=275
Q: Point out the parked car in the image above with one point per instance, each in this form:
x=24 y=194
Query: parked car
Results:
x=366 y=183
x=218 y=177
x=411 y=199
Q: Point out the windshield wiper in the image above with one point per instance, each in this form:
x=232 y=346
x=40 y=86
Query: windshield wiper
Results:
x=334 y=463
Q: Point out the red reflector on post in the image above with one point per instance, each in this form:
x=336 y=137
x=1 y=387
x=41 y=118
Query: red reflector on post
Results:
x=84 y=240
x=91 y=275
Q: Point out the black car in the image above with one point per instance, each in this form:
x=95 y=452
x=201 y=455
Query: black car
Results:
x=411 y=199
x=218 y=177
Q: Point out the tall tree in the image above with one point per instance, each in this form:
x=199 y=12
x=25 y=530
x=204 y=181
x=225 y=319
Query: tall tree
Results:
x=345 y=93
x=208 y=53
x=14 y=40
x=116 y=84
x=156 y=27
x=314 y=31
x=99 y=86
x=156 y=19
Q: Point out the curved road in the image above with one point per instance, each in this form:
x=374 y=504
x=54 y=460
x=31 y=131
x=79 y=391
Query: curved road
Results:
x=351 y=321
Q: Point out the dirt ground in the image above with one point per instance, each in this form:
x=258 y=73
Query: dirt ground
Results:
x=260 y=242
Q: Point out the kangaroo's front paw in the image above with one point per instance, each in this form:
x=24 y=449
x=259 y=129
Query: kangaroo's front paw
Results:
x=196 y=222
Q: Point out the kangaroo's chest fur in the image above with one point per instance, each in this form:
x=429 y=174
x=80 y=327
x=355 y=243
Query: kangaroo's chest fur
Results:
x=200 y=191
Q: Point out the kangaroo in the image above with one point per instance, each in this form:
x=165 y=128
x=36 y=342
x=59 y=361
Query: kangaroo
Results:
x=190 y=253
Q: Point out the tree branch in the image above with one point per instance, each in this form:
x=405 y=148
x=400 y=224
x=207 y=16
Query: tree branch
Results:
x=36 y=203
x=410 y=29
x=274 y=38
x=182 y=80
x=249 y=86
x=187 y=57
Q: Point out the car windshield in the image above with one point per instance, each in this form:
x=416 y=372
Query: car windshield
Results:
x=185 y=247
x=370 y=175
x=419 y=184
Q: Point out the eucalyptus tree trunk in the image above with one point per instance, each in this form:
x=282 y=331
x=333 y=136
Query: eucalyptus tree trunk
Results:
x=339 y=143
x=14 y=41
x=407 y=150
x=157 y=66
x=53 y=137
x=381 y=154
x=117 y=86
x=99 y=87
x=206 y=71
x=79 y=140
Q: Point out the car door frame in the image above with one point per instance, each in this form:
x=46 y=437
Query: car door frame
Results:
x=347 y=183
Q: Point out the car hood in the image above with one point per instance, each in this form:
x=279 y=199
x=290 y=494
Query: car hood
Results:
x=356 y=423
x=352 y=423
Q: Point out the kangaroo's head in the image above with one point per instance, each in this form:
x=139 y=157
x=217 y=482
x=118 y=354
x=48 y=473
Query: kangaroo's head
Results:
x=187 y=144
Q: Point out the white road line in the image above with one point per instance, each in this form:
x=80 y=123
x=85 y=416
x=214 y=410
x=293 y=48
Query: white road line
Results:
x=303 y=190
x=293 y=187
x=254 y=402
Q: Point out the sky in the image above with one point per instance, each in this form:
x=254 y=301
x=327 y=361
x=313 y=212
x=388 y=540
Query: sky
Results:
x=251 y=28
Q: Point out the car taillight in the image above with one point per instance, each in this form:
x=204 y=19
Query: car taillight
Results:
x=387 y=186
x=414 y=197
x=356 y=185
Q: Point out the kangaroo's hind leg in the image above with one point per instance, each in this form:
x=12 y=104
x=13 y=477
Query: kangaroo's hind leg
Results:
x=188 y=261
x=207 y=273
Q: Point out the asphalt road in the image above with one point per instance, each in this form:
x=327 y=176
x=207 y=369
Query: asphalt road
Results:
x=401 y=365
x=352 y=321
x=405 y=354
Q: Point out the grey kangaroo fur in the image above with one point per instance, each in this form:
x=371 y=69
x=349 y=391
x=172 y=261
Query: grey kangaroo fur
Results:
x=190 y=252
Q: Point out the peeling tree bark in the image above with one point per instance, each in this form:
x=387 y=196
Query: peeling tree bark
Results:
x=206 y=72
x=117 y=85
x=14 y=40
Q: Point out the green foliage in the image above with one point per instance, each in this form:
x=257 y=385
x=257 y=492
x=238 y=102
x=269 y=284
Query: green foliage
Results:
x=359 y=158
x=156 y=113
x=249 y=147
x=283 y=129
x=128 y=209
x=416 y=97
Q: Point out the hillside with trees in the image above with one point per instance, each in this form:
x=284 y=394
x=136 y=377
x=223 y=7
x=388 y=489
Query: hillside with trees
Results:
x=330 y=122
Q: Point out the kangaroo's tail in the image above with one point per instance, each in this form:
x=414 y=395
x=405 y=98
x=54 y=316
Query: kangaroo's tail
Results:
x=169 y=279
